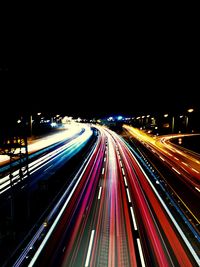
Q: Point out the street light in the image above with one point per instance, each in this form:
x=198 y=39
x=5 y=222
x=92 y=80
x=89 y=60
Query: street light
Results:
x=190 y=110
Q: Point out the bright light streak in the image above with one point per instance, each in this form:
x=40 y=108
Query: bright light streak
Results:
x=162 y=158
x=103 y=171
x=89 y=249
x=197 y=188
x=46 y=159
x=176 y=170
x=195 y=170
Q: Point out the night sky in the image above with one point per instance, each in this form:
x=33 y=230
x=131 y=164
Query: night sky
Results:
x=94 y=71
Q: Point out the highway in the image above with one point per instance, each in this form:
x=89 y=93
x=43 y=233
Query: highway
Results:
x=115 y=212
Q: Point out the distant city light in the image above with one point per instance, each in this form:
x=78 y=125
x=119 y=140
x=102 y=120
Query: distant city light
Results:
x=53 y=124
x=110 y=119
x=119 y=118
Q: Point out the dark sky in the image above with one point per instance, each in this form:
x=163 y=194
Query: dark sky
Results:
x=95 y=70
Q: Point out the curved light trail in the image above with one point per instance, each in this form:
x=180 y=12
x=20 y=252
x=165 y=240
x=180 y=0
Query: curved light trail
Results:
x=66 y=149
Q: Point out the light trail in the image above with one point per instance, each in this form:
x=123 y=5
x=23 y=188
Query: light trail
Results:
x=72 y=146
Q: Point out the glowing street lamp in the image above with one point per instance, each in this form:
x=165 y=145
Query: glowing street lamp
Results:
x=190 y=110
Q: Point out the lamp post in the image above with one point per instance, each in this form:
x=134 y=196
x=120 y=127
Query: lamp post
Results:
x=173 y=120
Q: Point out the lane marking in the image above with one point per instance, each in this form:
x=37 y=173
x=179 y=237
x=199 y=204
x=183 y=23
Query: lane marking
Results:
x=125 y=181
x=140 y=252
x=89 y=249
x=133 y=218
x=129 y=199
x=103 y=170
x=123 y=171
x=99 y=195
